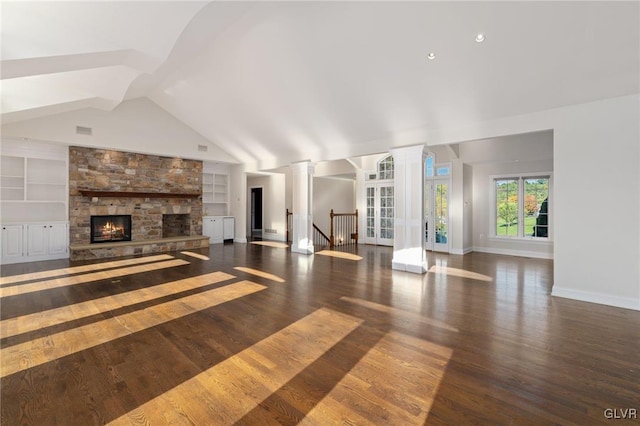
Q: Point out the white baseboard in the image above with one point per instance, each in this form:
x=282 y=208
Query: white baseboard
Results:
x=461 y=252
x=408 y=267
x=240 y=240
x=600 y=298
x=510 y=252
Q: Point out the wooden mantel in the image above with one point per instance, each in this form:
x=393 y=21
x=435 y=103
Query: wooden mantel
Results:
x=135 y=194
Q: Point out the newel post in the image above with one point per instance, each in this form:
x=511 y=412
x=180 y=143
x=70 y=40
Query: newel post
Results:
x=331 y=237
x=356 y=227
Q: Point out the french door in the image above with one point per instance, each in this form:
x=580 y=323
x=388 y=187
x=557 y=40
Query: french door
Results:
x=437 y=214
x=379 y=218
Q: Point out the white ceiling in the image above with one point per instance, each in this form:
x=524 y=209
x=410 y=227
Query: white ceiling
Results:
x=297 y=80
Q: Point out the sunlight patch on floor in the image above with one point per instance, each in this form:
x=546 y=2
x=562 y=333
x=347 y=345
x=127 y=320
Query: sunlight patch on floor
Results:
x=83 y=279
x=196 y=255
x=225 y=393
x=339 y=254
x=395 y=382
x=83 y=268
x=42 y=319
x=401 y=313
x=445 y=270
x=39 y=351
x=270 y=244
x=259 y=273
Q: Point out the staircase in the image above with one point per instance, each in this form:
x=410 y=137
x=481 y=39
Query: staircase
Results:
x=343 y=231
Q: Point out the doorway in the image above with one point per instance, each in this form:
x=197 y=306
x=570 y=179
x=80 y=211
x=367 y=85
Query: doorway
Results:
x=256 y=216
x=437 y=182
x=437 y=214
x=379 y=214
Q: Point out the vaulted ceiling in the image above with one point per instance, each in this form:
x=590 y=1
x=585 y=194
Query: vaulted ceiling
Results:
x=298 y=80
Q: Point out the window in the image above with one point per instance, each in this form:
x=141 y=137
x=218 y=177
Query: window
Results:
x=428 y=166
x=521 y=206
x=385 y=168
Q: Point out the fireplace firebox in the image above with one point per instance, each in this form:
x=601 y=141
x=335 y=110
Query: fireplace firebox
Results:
x=110 y=228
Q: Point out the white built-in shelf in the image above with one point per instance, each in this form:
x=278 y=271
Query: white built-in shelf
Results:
x=34 y=188
x=215 y=189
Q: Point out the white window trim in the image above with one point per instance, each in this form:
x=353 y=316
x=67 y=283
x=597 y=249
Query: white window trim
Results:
x=492 y=215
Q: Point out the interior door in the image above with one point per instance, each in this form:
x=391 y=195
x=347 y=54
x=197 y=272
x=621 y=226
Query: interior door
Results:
x=380 y=211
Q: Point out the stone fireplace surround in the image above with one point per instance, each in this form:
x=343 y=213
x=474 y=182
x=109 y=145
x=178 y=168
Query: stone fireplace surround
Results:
x=169 y=186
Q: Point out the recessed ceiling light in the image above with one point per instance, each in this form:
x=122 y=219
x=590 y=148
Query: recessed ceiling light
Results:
x=480 y=38
x=431 y=55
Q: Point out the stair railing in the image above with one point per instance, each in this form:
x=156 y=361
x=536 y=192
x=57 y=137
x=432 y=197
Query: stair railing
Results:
x=344 y=229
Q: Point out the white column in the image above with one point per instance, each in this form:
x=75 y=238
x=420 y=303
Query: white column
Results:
x=408 y=242
x=302 y=206
x=238 y=201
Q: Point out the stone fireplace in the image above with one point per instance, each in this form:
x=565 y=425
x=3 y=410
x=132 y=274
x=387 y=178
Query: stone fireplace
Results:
x=150 y=189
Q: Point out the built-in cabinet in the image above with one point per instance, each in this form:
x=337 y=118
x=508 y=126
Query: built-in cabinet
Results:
x=34 y=241
x=34 y=192
x=218 y=228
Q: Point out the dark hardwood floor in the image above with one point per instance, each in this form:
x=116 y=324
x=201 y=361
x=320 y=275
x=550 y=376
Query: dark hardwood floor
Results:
x=254 y=334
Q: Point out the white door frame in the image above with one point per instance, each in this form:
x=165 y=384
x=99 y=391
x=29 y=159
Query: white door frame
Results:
x=378 y=208
x=434 y=242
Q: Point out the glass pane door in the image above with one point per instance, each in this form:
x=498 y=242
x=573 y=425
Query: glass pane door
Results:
x=379 y=215
x=428 y=215
x=436 y=212
x=371 y=215
x=386 y=215
x=441 y=215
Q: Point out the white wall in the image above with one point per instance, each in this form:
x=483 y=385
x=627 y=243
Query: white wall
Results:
x=137 y=125
x=333 y=168
x=273 y=197
x=482 y=200
x=456 y=211
x=329 y=193
x=597 y=153
x=467 y=209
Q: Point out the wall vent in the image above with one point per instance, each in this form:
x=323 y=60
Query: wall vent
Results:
x=203 y=148
x=84 y=130
x=270 y=231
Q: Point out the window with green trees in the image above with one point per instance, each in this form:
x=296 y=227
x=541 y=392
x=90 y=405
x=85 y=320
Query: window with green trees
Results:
x=522 y=206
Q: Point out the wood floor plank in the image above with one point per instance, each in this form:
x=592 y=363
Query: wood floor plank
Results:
x=27 y=323
x=226 y=392
x=476 y=340
x=26 y=355
x=83 y=279
x=4 y=281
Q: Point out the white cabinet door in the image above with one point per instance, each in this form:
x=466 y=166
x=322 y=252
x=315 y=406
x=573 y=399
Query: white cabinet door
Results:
x=11 y=242
x=207 y=227
x=229 y=228
x=212 y=227
x=37 y=240
x=217 y=230
x=58 y=237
